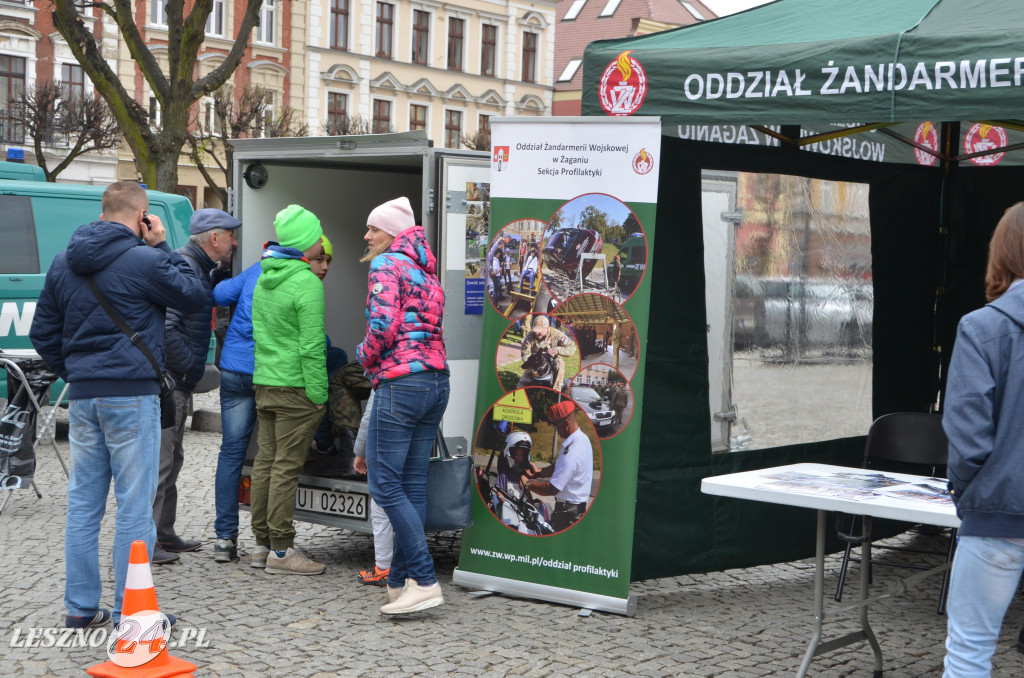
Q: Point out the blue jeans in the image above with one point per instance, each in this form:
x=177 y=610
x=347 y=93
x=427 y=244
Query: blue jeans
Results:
x=110 y=437
x=237 y=419
x=986 y=572
x=403 y=423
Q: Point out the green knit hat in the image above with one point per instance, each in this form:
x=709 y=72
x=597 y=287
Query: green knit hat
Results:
x=297 y=227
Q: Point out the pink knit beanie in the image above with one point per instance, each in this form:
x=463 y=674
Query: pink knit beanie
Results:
x=392 y=217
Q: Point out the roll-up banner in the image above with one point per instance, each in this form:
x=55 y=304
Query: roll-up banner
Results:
x=573 y=202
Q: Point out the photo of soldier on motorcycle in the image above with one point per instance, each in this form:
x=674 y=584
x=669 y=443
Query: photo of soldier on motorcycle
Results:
x=537 y=350
x=538 y=478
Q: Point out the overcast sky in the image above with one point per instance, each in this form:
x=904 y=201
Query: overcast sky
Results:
x=724 y=7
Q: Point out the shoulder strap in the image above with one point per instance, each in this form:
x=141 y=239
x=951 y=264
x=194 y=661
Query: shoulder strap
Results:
x=132 y=335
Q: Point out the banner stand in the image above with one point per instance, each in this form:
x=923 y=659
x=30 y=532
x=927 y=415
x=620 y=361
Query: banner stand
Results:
x=553 y=594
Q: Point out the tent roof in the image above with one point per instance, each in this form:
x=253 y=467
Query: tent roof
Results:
x=821 y=62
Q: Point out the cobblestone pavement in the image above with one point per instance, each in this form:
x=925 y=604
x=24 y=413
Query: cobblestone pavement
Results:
x=734 y=624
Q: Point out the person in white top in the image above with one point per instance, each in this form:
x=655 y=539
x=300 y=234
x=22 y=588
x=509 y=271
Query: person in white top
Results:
x=529 y=272
x=572 y=473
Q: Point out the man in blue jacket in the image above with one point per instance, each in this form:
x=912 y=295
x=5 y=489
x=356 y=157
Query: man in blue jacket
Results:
x=114 y=404
x=212 y=240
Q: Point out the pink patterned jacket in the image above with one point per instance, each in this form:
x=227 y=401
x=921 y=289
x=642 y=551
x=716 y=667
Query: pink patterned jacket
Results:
x=404 y=311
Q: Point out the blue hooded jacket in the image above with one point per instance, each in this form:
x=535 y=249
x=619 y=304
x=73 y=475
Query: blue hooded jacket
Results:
x=76 y=337
x=238 y=353
x=984 y=421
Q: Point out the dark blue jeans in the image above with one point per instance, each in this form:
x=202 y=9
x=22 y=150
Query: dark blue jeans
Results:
x=403 y=423
x=237 y=419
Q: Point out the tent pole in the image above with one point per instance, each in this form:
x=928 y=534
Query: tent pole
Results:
x=948 y=165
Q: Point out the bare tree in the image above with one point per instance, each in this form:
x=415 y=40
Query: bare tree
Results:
x=347 y=125
x=157 y=151
x=479 y=141
x=248 y=115
x=72 y=124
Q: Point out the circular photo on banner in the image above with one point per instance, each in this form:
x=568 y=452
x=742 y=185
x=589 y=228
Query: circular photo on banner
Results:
x=513 y=269
x=537 y=350
x=605 y=332
x=537 y=461
x=594 y=243
x=605 y=396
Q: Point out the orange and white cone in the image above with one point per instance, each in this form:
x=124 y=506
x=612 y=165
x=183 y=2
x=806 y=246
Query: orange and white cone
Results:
x=139 y=649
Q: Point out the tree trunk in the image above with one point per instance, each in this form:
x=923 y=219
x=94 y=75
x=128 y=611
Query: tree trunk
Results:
x=167 y=171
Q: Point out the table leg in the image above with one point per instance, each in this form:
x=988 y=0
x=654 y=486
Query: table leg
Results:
x=816 y=647
x=865 y=581
x=819 y=594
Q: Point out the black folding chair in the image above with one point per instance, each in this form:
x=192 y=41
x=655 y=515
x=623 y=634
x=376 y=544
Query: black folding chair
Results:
x=909 y=442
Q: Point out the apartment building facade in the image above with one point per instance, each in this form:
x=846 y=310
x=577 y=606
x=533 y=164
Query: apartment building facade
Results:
x=446 y=68
x=394 y=65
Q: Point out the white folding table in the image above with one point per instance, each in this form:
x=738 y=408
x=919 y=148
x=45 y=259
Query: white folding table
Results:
x=822 y=487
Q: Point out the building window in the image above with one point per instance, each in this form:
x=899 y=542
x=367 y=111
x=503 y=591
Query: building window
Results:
x=420 y=37
x=693 y=10
x=417 y=117
x=488 y=49
x=209 y=115
x=609 y=9
x=570 y=70
x=452 y=129
x=483 y=136
x=73 y=78
x=157 y=13
x=456 y=28
x=215 y=22
x=266 y=124
x=154 y=112
x=381 y=116
x=574 y=10
x=385 y=26
x=529 y=57
x=339 y=24
x=337 y=113
x=12 y=84
x=265 y=31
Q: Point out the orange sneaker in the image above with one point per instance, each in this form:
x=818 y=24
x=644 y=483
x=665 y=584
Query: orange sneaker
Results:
x=376 y=576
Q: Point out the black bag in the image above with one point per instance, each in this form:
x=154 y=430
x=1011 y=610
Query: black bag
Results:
x=165 y=380
x=449 y=490
x=166 y=401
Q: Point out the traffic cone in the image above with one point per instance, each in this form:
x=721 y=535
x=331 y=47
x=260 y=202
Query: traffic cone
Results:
x=140 y=596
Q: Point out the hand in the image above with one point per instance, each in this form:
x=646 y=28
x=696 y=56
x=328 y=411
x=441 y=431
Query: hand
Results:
x=154 y=234
x=360 y=465
x=320 y=407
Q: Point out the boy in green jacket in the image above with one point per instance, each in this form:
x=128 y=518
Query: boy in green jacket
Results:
x=290 y=382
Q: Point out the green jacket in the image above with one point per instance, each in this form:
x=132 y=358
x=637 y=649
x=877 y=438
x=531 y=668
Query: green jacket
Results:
x=288 y=328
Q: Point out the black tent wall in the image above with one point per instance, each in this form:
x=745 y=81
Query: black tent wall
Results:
x=678 y=529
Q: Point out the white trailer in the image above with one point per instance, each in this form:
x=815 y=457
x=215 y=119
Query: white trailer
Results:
x=341 y=179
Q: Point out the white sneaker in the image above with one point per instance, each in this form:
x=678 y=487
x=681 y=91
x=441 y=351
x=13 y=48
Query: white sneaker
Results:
x=415 y=598
x=292 y=562
x=259 y=557
x=394 y=593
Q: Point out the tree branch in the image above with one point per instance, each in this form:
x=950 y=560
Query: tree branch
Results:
x=220 y=75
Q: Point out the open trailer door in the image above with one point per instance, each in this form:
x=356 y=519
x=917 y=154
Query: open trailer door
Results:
x=463 y=220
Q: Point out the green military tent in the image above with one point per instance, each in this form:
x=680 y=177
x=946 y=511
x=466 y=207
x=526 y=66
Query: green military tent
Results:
x=917 y=99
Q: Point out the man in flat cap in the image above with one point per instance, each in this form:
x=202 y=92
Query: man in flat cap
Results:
x=571 y=474
x=212 y=241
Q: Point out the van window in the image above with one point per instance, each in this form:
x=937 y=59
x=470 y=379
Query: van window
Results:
x=19 y=253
